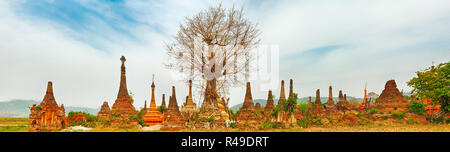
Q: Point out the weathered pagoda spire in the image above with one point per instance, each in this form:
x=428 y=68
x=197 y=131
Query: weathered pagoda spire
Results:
x=189 y=100
x=291 y=89
x=163 y=102
x=270 y=104
x=145 y=104
x=318 y=97
x=248 y=100
x=309 y=103
x=330 y=96
x=153 y=116
x=123 y=91
x=282 y=97
x=270 y=99
x=152 y=101
x=49 y=88
x=123 y=104
x=341 y=96
x=49 y=99
x=173 y=105
x=309 y=107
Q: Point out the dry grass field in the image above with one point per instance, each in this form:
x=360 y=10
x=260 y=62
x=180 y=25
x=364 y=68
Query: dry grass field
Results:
x=21 y=125
x=13 y=124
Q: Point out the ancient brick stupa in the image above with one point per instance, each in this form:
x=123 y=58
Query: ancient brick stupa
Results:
x=144 y=110
x=258 y=107
x=105 y=111
x=330 y=106
x=163 y=102
x=365 y=105
x=282 y=97
x=47 y=115
x=152 y=116
x=246 y=115
x=330 y=96
x=309 y=109
x=269 y=105
x=189 y=107
x=298 y=113
x=291 y=88
x=173 y=120
x=318 y=108
x=123 y=105
x=391 y=99
x=248 y=100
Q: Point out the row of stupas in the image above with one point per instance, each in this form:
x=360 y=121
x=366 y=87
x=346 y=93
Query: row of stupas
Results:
x=49 y=116
x=390 y=100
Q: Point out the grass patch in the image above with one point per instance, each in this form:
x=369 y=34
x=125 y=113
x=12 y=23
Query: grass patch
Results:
x=14 y=128
x=373 y=111
x=412 y=121
x=304 y=123
x=267 y=125
x=399 y=114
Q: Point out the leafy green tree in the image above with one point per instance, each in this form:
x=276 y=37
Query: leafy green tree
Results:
x=433 y=83
x=417 y=107
x=289 y=106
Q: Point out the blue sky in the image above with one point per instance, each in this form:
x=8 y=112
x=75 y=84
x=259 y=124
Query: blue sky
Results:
x=77 y=45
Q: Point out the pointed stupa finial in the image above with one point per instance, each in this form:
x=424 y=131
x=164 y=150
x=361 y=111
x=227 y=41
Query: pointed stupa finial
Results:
x=153 y=81
x=49 y=88
x=145 y=104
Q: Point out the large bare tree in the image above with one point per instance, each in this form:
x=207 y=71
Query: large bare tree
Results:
x=212 y=48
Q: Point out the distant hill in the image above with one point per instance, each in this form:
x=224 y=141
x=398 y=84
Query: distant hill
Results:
x=304 y=99
x=20 y=108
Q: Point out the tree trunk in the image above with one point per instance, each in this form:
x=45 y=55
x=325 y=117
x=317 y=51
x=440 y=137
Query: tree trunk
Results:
x=210 y=100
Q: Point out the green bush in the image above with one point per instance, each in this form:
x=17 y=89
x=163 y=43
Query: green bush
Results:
x=142 y=123
x=275 y=112
x=317 y=121
x=447 y=120
x=196 y=117
x=399 y=114
x=133 y=117
x=115 y=115
x=302 y=105
x=373 y=111
x=417 y=107
x=89 y=117
x=211 y=119
x=232 y=125
x=39 y=107
x=411 y=121
x=330 y=119
x=264 y=126
x=359 y=115
x=268 y=125
x=304 y=123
